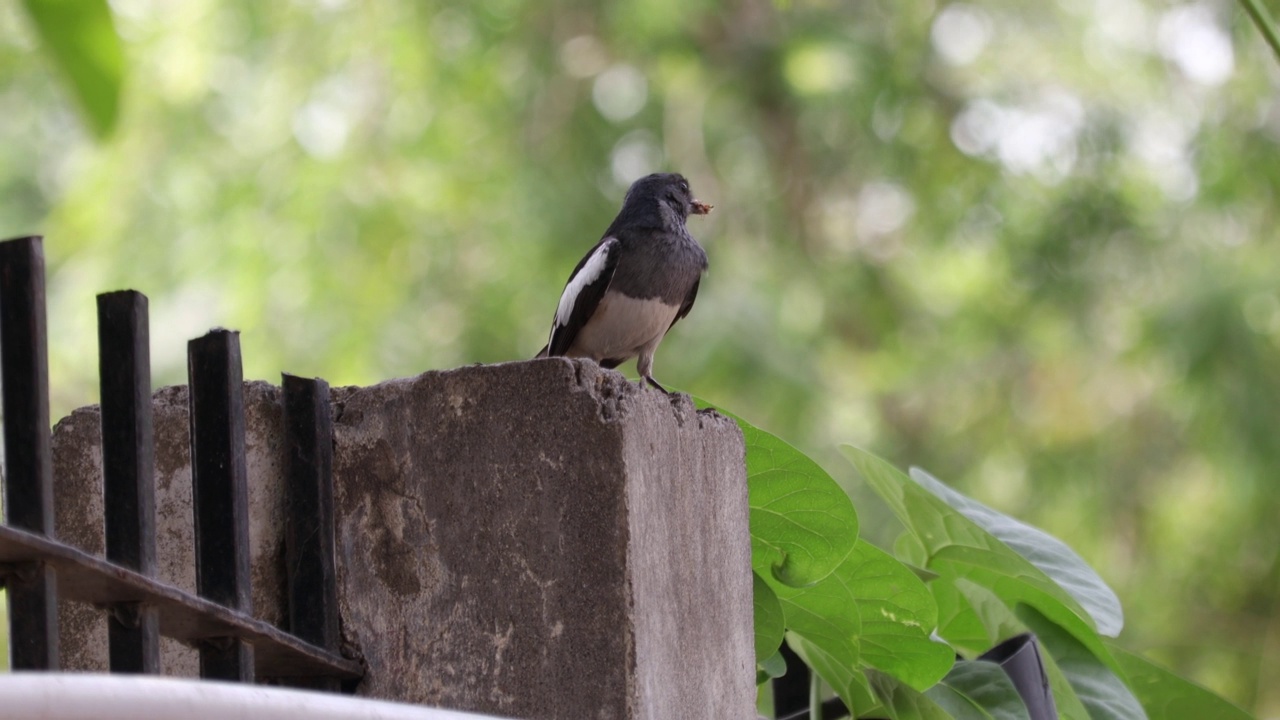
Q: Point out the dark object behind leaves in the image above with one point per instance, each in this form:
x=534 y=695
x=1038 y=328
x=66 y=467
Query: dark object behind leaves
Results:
x=791 y=692
x=833 y=709
x=1019 y=657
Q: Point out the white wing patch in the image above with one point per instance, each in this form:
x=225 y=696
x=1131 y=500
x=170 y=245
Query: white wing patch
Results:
x=589 y=273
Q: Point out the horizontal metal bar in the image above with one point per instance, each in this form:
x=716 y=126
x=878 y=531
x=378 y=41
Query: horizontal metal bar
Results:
x=183 y=616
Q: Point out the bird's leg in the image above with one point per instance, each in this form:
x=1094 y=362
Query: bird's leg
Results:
x=644 y=365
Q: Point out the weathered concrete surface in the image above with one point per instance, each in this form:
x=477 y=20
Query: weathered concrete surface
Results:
x=538 y=540
x=689 y=546
x=545 y=539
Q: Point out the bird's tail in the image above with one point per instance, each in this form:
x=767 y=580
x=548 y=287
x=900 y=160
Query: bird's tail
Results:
x=541 y=353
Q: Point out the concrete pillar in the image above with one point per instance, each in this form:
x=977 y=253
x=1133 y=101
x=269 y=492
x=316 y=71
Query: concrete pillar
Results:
x=538 y=540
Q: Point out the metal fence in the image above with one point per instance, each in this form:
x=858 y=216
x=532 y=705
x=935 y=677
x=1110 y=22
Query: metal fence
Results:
x=36 y=569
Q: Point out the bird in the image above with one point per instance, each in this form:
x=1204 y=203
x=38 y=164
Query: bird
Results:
x=636 y=283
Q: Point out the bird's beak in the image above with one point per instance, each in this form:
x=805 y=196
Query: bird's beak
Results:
x=701 y=208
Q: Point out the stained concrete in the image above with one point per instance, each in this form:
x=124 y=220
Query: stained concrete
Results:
x=537 y=540
x=78 y=514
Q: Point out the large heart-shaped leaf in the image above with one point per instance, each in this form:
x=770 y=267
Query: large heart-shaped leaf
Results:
x=826 y=614
x=898 y=617
x=803 y=524
x=1054 y=557
x=871 y=612
x=956 y=547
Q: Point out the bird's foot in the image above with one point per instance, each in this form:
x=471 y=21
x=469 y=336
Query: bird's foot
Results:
x=649 y=379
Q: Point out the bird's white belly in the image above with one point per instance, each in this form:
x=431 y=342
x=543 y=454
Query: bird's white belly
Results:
x=621 y=326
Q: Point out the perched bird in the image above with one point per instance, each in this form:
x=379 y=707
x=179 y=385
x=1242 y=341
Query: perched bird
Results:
x=634 y=285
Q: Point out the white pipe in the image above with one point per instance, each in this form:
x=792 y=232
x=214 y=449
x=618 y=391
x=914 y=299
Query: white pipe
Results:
x=85 y=696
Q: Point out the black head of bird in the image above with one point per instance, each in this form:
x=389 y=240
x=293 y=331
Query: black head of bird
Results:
x=661 y=197
x=637 y=282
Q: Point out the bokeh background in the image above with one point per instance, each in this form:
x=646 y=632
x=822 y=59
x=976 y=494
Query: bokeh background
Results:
x=1031 y=247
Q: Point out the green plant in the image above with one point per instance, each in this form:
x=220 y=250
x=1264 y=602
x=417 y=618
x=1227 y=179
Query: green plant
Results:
x=81 y=41
x=4 y=632
x=882 y=628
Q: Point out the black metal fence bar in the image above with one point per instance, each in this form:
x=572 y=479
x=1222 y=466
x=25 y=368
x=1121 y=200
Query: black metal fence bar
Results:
x=87 y=578
x=309 y=535
x=28 y=476
x=35 y=568
x=220 y=493
x=312 y=576
x=128 y=460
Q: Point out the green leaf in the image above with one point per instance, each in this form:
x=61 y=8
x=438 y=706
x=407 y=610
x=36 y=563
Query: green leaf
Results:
x=774 y=666
x=898 y=615
x=979 y=689
x=1100 y=690
x=926 y=576
x=849 y=682
x=958 y=548
x=970 y=616
x=999 y=622
x=956 y=704
x=1262 y=20
x=1166 y=696
x=1054 y=557
x=872 y=611
x=1064 y=696
x=902 y=702
x=4 y=632
x=80 y=38
x=803 y=525
x=825 y=614
x=1016 y=587
x=908 y=549
x=768 y=618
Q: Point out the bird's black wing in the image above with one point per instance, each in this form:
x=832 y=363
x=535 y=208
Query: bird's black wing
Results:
x=582 y=294
x=687 y=305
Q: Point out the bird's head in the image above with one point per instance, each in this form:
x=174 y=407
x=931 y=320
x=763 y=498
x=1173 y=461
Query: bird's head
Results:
x=669 y=189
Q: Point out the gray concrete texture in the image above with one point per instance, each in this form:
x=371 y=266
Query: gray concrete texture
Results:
x=536 y=540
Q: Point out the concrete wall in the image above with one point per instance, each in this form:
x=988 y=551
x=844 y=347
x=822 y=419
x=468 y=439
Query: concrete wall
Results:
x=539 y=539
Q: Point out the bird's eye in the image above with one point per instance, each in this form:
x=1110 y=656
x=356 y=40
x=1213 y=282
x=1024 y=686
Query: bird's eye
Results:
x=684 y=186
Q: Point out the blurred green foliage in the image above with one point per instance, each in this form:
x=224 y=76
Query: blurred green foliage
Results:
x=1030 y=246
x=80 y=39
